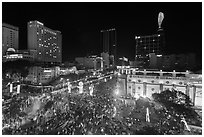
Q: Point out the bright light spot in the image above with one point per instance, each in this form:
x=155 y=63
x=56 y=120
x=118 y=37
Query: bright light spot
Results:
x=159 y=55
x=161 y=82
x=105 y=80
x=116 y=91
x=144 y=96
x=144 y=80
x=115 y=111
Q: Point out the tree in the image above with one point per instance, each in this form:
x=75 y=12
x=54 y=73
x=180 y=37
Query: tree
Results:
x=178 y=104
x=18 y=66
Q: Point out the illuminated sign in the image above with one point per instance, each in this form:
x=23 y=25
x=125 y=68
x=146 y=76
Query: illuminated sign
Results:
x=47 y=70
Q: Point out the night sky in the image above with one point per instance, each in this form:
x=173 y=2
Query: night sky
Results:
x=80 y=24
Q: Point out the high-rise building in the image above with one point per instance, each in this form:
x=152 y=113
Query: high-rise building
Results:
x=9 y=37
x=145 y=45
x=109 y=42
x=47 y=42
x=149 y=44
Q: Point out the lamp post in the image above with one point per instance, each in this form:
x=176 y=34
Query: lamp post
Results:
x=11 y=87
x=147 y=115
x=91 y=87
x=18 y=89
x=69 y=87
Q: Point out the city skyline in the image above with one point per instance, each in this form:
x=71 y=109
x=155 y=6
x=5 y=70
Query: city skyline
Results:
x=108 y=68
x=83 y=22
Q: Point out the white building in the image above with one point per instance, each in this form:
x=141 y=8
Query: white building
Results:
x=145 y=83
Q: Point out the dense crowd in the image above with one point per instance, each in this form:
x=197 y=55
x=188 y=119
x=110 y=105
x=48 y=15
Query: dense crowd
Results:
x=82 y=114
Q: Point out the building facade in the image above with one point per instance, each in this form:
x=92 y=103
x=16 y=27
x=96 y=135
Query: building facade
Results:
x=42 y=75
x=29 y=55
x=92 y=62
x=10 y=37
x=66 y=71
x=145 y=83
x=148 y=44
x=178 y=62
x=33 y=75
x=109 y=43
x=47 y=42
x=106 y=60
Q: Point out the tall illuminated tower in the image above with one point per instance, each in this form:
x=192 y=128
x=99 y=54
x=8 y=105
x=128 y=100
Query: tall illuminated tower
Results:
x=145 y=45
x=47 y=42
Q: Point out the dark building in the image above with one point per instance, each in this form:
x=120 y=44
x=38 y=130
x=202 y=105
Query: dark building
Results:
x=109 y=42
x=145 y=45
x=150 y=44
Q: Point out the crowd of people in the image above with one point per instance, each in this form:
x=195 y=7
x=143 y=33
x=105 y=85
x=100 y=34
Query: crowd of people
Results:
x=100 y=113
